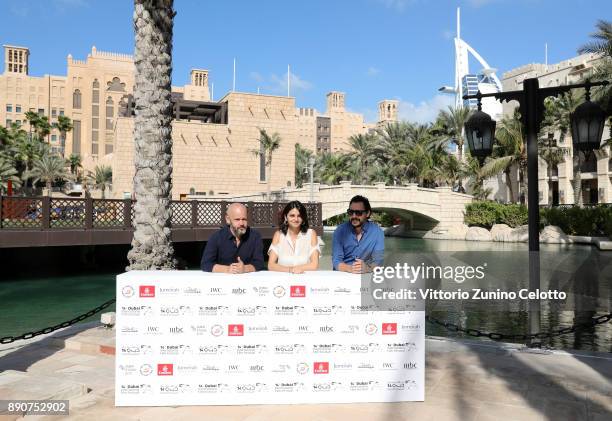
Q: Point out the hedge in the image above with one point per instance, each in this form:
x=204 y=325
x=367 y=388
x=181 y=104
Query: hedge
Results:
x=573 y=220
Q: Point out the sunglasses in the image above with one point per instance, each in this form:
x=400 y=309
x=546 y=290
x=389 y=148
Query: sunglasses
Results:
x=351 y=212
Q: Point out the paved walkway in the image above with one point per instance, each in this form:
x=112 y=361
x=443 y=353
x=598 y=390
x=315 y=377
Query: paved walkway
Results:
x=465 y=380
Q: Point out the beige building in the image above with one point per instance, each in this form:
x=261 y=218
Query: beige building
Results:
x=213 y=141
x=596 y=169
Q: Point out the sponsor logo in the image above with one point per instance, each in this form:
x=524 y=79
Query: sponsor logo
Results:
x=257 y=330
x=198 y=329
x=169 y=349
x=216 y=330
x=321 y=368
x=212 y=310
x=319 y=291
x=360 y=309
x=326 y=329
x=371 y=329
x=289 y=387
x=412 y=327
x=216 y=291
x=364 y=290
x=304 y=330
x=342 y=291
x=256 y=368
x=251 y=311
x=208 y=368
x=213 y=349
x=176 y=330
x=186 y=311
x=302 y=368
x=342 y=366
x=136 y=310
x=251 y=388
x=127 y=291
x=281 y=368
x=174 y=389
x=169 y=291
x=165 y=369
x=298 y=290
x=213 y=388
x=321 y=310
x=235 y=330
x=401 y=347
x=401 y=385
x=290 y=349
x=135 y=349
x=389 y=328
x=136 y=389
x=233 y=369
x=410 y=366
x=321 y=387
x=127 y=370
x=289 y=310
x=192 y=291
x=327 y=348
x=147 y=291
x=186 y=369
x=365 y=366
x=251 y=349
x=146 y=369
x=153 y=330
x=278 y=291
x=129 y=329
x=363 y=385
x=261 y=291
x=280 y=329
x=169 y=311
x=359 y=349
x=388 y=366
x=238 y=291
x=350 y=330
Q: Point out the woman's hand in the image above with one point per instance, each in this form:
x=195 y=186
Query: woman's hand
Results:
x=297 y=269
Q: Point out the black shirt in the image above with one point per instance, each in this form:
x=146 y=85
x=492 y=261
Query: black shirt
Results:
x=221 y=249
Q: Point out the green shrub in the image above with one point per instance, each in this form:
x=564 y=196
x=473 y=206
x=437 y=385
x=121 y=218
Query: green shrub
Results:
x=590 y=221
x=513 y=215
x=481 y=214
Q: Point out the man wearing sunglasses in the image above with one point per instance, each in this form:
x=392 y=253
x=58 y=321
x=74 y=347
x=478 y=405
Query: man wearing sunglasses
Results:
x=358 y=244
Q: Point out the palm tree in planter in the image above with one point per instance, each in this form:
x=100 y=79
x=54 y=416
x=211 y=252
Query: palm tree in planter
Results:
x=152 y=244
x=49 y=168
x=268 y=144
x=101 y=178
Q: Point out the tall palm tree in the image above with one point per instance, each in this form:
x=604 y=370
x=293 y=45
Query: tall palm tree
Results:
x=101 y=178
x=302 y=162
x=391 y=151
x=473 y=171
x=449 y=170
x=63 y=125
x=331 y=168
x=33 y=118
x=362 y=155
x=509 y=152
x=602 y=43
x=268 y=144
x=27 y=151
x=7 y=173
x=43 y=128
x=453 y=122
x=49 y=168
x=74 y=161
x=152 y=245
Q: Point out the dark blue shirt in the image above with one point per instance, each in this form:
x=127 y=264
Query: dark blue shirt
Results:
x=221 y=249
x=370 y=248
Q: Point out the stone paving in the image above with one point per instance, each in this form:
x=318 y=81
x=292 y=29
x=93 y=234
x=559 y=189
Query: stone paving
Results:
x=465 y=380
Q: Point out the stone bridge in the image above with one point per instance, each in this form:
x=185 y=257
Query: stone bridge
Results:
x=421 y=209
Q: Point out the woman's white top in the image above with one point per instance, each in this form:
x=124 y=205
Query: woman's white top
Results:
x=290 y=254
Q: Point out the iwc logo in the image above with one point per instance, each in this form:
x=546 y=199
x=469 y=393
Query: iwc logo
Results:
x=279 y=291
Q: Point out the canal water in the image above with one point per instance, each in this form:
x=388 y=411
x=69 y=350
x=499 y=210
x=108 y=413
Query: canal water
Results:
x=34 y=302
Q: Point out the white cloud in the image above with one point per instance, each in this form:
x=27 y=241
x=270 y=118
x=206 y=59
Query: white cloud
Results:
x=424 y=111
x=372 y=71
x=277 y=85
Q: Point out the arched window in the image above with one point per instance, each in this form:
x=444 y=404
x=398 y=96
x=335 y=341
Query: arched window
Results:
x=95 y=97
x=76 y=99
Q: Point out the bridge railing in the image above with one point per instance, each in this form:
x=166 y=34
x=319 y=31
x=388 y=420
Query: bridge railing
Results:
x=51 y=213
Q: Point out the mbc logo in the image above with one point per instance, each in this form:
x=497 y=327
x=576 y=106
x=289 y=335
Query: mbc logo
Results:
x=235 y=330
x=147 y=291
x=298 y=291
x=389 y=328
x=165 y=369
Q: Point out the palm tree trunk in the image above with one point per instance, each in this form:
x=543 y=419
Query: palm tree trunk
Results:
x=509 y=185
x=270 y=177
x=152 y=246
x=577 y=181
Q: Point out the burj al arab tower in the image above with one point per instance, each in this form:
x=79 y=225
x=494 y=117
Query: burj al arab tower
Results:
x=469 y=83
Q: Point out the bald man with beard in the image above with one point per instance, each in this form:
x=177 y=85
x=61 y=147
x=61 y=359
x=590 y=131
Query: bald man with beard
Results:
x=235 y=248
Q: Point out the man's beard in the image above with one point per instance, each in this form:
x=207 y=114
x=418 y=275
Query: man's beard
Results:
x=239 y=232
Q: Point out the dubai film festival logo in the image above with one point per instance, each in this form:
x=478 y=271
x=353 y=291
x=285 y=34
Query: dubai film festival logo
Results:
x=321 y=368
x=279 y=291
x=235 y=330
x=147 y=291
x=146 y=369
x=165 y=369
x=298 y=290
x=127 y=291
x=389 y=328
x=302 y=368
x=371 y=329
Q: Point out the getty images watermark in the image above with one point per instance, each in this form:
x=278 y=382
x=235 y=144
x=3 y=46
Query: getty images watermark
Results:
x=410 y=275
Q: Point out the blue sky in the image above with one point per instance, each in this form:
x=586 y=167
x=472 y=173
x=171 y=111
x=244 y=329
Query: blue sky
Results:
x=370 y=49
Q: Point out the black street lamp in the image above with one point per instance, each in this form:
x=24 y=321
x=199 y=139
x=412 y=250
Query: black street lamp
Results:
x=587 y=123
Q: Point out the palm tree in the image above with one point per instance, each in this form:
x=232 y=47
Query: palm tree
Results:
x=63 y=125
x=43 y=128
x=453 y=122
x=473 y=171
x=7 y=172
x=152 y=245
x=391 y=150
x=509 y=152
x=27 y=151
x=362 y=155
x=49 y=168
x=268 y=144
x=101 y=178
x=603 y=40
x=75 y=163
x=331 y=168
x=449 y=170
x=302 y=159
x=34 y=119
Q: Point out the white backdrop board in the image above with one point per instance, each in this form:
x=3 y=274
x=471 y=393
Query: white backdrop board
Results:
x=194 y=338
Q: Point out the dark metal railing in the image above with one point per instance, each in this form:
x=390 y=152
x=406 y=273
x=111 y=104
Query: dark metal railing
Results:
x=51 y=213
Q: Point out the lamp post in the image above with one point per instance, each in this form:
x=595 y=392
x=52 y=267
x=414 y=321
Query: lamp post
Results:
x=311 y=162
x=587 y=123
